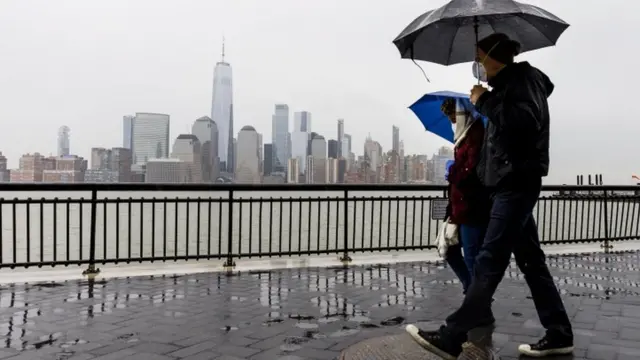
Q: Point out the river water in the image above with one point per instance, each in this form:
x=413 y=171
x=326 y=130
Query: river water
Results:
x=178 y=224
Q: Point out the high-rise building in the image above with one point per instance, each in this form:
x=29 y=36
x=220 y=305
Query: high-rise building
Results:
x=340 y=138
x=319 y=154
x=300 y=138
x=109 y=166
x=332 y=170
x=222 y=112
x=30 y=168
x=4 y=172
x=280 y=136
x=187 y=148
x=127 y=131
x=150 y=137
x=332 y=149
x=165 y=171
x=395 y=140
x=302 y=121
x=293 y=171
x=248 y=167
x=68 y=169
x=206 y=131
x=260 y=154
x=100 y=158
x=63 y=141
x=267 y=168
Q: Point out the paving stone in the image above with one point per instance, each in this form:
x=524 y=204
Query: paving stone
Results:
x=305 y=313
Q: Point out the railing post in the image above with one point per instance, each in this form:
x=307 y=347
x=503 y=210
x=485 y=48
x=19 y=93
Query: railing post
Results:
x=229 y=264
x=92 y=270
x=606 y=246
x=346 y=259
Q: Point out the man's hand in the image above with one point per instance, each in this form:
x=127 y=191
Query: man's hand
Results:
x=476 y=92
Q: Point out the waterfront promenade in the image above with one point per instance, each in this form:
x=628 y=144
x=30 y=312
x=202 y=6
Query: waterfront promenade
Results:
x=305 y=313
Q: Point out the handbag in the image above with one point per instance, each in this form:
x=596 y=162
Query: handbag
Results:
x=447 y=236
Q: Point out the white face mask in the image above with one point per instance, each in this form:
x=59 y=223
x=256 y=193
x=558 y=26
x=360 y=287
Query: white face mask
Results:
x=479 y=72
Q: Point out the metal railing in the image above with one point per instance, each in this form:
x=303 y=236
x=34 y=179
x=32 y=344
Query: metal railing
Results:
x=67 y=224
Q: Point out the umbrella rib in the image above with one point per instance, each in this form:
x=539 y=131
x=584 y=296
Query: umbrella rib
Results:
x=535 y=27
x=455 y=34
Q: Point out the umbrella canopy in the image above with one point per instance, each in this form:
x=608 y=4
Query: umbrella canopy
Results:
x=427 y=109
x=448 y=35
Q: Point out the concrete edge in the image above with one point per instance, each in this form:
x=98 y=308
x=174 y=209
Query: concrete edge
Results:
x=212 y=266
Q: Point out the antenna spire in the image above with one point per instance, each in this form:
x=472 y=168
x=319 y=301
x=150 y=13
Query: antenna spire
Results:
x=223 y=48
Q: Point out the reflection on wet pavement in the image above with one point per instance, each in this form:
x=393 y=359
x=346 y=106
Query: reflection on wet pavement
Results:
x=308 y=313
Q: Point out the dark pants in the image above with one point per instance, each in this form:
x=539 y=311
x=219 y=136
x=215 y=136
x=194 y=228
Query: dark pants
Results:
x=511 y=229
x=471 y=237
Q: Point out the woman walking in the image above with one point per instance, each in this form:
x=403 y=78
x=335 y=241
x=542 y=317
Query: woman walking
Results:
x=469 y=202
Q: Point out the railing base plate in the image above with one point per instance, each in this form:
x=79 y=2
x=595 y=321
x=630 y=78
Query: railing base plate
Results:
x=92 y=271
x=346 y=260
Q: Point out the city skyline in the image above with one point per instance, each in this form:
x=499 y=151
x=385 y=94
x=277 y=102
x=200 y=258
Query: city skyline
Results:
x=164 y=64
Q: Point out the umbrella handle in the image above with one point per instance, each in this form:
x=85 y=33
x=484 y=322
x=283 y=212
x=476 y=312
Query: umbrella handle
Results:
x=475 y=30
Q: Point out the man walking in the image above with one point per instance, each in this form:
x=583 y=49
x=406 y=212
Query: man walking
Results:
x=515 y=158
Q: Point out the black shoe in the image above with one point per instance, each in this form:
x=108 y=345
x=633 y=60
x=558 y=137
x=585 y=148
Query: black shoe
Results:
x=434 y=343
x=547 y=347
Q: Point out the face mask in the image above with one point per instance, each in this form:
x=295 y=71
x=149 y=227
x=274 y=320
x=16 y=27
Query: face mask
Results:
x=479 y=72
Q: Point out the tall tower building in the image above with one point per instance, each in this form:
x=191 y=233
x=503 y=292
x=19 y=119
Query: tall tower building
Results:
x=248 y=167
x=340 y=138
x=127 y=131
x=395 y=139
x=150 y=137
x=222 y=112
x=319 y=155
x=280 y=135
x=300 y=138
x=63 y=141
x=206 y=131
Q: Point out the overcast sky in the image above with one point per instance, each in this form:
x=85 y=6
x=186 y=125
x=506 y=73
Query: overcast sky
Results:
x=86 y=63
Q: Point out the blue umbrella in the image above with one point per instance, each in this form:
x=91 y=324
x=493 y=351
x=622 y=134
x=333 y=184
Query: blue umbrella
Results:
x=427 y=109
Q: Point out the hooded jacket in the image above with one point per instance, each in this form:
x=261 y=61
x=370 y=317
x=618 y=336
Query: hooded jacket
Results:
x=516 y=144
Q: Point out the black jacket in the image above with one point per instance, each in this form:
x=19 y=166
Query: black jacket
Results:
x=516 y=145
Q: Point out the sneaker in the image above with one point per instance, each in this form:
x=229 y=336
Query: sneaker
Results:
x=433 y=342
x=471 y=351
x=547 y=347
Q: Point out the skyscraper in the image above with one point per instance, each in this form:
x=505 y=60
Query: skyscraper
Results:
x=247 y=169
x=300 y=138
x=302 y=121
x=268 y=160
x=222 y=112
x=150 y=137
x=206 y=131
x=127 y=131
x=333 y=149
x=187 y=148
x=319 y=155
x=280 y=135
x=63 y=141
x=395 y=140
x=340 y=138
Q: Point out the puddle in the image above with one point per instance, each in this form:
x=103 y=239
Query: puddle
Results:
x=303 y=325
x=228 y=328
x=394 y=321
x=345 y=331
x=293 y=343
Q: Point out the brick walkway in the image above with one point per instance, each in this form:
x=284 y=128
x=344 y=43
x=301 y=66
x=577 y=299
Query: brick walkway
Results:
x=303 y=314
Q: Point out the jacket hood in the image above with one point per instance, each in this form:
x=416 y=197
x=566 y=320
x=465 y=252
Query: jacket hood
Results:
x=526 y=70
x=520 y=73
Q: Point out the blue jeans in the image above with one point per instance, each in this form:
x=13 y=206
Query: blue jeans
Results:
x=512 y=229
x=471 y=237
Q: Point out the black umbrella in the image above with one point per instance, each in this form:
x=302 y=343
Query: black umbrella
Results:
x=448 y=35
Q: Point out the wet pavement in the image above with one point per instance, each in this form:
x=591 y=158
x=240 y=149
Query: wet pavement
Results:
x=303 y=313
